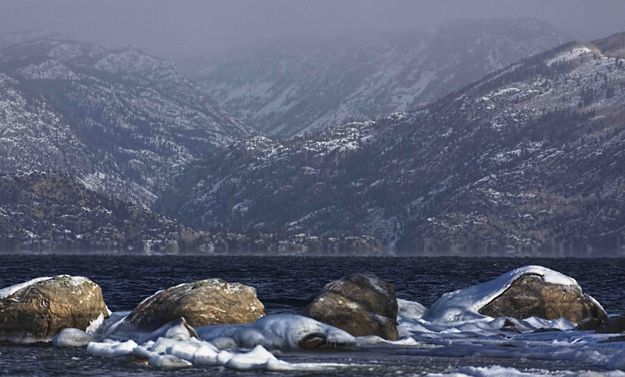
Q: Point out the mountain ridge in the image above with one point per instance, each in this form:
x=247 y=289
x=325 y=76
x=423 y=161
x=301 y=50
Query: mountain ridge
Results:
x=522 y=162
x=120 y=120
x=291 y=87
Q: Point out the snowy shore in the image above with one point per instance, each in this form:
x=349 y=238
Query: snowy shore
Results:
x=452 y=327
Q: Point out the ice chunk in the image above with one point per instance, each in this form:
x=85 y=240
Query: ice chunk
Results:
x=95 y=325
x=167 y=362
x=205 y=355
x=223 y=343
x=162 y=344
x=142 y=352
x=111 y=348
x=255 y=359
x=72 y=338
x=409 y=309
x=223 y=357
x=111 y=325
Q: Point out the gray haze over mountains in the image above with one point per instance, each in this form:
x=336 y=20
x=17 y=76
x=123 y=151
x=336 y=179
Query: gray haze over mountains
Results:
x=313 y=127
x=181 y=29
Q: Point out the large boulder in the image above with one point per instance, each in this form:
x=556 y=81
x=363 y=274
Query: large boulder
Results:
x=201 y=303
x=37 y=310
x=531 y=296
x=360 y=304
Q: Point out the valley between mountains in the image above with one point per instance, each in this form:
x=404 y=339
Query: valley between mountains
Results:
x=120 y=150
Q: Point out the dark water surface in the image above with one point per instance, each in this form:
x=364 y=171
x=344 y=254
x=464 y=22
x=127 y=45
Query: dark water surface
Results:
x=284 y=284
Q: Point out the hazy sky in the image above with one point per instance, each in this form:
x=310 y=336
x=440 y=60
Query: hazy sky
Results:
x=183 y=28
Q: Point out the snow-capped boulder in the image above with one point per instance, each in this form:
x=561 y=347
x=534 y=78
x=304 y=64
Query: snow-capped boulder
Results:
x=532 y=296
x=37 y=310
x=201 y=303
x=360 y=304
x=525 y=292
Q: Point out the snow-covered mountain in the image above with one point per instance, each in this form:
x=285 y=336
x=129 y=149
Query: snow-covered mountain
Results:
x=527 y=161
x=121 y=121
x=90 y=137
x=296 y=85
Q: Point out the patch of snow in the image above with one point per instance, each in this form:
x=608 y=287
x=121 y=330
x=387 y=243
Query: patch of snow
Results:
x=505 y=91
x=48 y=70
x=8 y=291
x=569 y=55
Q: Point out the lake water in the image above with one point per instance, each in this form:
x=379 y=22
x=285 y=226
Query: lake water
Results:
x=285 y=285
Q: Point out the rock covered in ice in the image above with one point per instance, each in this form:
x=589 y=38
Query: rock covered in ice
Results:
x=530 y=291
x=37 y=310
x=240 y=347
x=531 y=296
x=361 y=304
x=281 y=331
x=117 y=328
x=201 y=303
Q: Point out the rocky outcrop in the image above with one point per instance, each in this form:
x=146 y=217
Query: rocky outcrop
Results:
x=39 y=309
x=531 y=296
x=360 y=304
x=201 y=303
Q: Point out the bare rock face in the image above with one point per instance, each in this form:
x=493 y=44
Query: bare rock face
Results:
x=35 y=311
x=531 y=296
x=360 y=304
x=201 y=303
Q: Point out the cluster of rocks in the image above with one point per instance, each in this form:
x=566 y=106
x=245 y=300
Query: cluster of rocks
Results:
x=360 y=304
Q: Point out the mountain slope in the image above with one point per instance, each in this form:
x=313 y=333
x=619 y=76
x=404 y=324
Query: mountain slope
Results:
x=50 y=212
x=292 y=86
x=122 y=121
x=55 y=213
x=527 y=161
